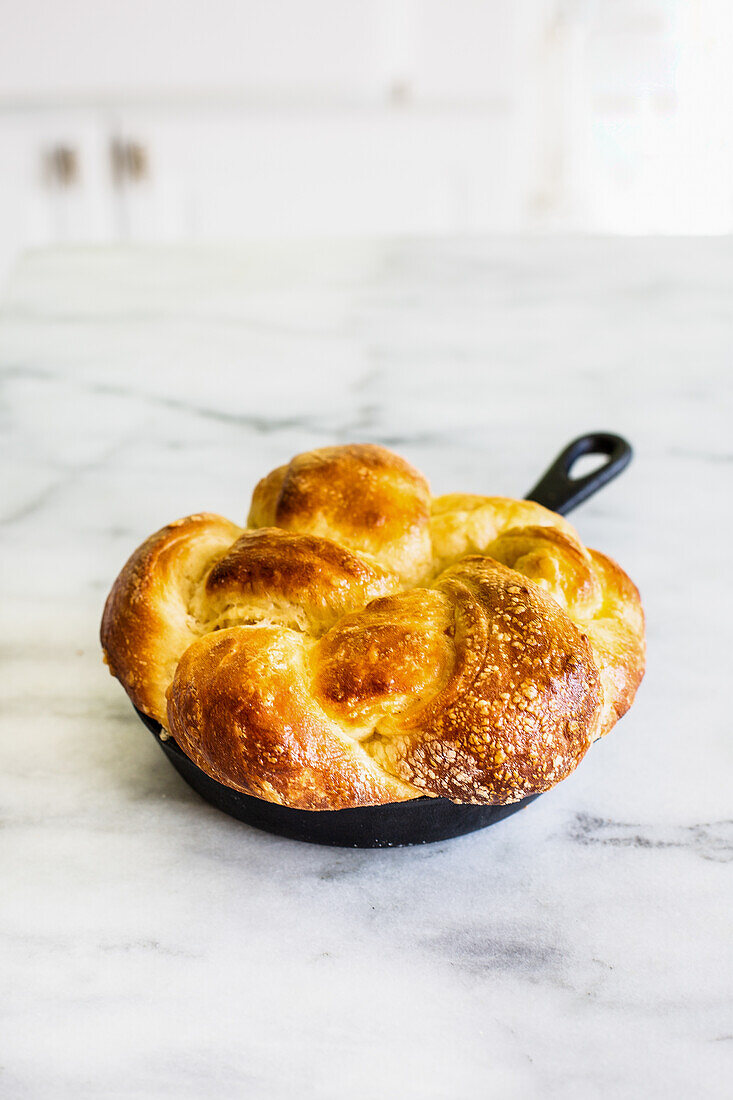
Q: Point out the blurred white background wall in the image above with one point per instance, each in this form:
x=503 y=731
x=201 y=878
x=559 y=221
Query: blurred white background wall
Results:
x=180 y=120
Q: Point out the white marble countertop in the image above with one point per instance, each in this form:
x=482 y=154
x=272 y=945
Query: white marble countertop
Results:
x=152 y=947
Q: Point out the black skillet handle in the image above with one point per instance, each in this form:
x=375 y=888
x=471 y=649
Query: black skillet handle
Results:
x=557 y=490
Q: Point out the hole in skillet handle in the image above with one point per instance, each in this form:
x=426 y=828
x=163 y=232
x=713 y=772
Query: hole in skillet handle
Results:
x=561 y=492
x=422 y=820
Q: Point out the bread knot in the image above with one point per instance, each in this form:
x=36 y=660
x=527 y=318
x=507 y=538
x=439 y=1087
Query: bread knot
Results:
x=360 y=642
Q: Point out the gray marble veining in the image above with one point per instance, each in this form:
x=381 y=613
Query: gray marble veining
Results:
x=150 y=946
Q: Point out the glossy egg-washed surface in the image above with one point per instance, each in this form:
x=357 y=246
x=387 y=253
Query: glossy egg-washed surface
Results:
x=361 y=642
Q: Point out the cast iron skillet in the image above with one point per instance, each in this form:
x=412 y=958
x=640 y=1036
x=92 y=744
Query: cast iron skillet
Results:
x=421 y=820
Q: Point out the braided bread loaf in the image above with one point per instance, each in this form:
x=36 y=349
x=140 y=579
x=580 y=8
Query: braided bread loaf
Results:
x=360 y=642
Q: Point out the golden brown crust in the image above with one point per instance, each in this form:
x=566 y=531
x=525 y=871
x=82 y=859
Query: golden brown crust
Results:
x=527 y=713
x=146 y=624
x=362 y=496
x=616 y=634
x=386 y=658
x=360 y=643
x=464 y=523
x=300 y=580
x=241 y=708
